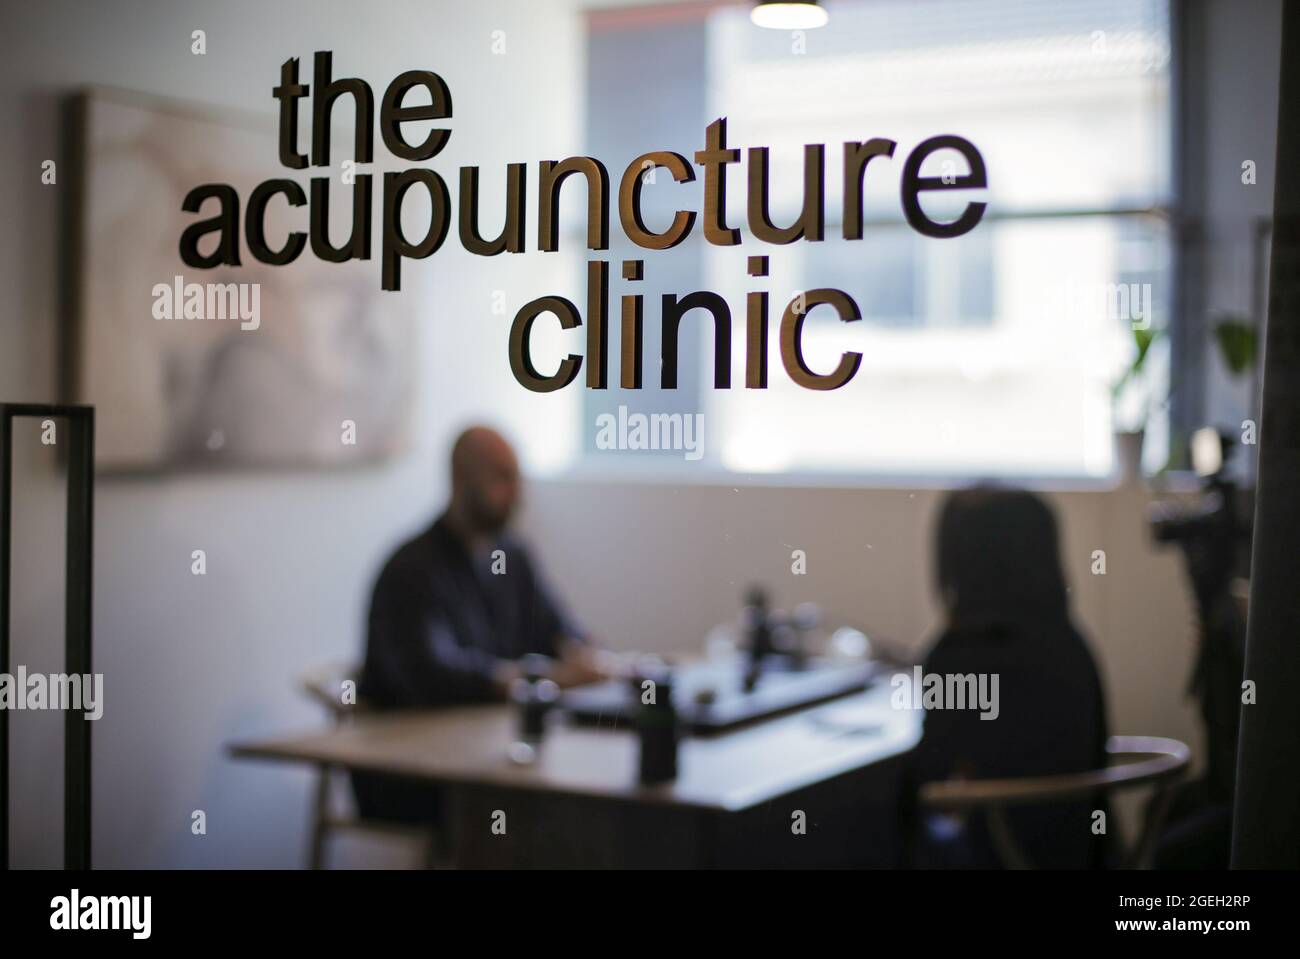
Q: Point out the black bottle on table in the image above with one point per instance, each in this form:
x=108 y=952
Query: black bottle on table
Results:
x=658 y=727
x=534 y=695
x=758 y=635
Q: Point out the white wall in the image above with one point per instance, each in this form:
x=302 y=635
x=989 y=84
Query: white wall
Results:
x=654 y=567
x=192 y=663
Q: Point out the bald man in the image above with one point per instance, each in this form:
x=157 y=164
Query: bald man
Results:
x=456 y=608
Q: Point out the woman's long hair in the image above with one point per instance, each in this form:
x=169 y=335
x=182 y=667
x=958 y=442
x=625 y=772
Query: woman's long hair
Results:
x=998 y=560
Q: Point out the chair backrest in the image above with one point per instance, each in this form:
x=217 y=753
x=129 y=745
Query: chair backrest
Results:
x=325 y=686
x=1140 y=761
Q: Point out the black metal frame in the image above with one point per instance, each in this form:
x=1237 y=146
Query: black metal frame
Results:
x=1266 y=819
x=77 y=622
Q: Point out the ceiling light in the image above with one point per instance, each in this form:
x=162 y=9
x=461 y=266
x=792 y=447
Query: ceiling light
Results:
x=789 y=14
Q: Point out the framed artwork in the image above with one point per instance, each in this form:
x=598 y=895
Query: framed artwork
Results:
x=306 y=364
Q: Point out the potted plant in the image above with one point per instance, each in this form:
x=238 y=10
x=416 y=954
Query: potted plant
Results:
x=1131 y=402
x=1236 y=337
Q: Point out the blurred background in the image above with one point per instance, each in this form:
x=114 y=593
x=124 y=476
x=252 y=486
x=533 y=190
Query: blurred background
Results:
x=1115 y=135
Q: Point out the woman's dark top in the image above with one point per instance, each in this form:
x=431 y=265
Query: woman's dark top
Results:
x=1051 y=720
x=999 y=573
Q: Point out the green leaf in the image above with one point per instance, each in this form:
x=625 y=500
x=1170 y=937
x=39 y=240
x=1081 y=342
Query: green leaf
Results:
x=1236 y=344
x=1142 y=339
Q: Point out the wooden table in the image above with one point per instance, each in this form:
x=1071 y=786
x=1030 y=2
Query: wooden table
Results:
x=734 y=803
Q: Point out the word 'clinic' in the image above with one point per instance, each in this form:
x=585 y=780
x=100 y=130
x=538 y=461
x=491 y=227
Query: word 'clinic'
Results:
x=713 y=160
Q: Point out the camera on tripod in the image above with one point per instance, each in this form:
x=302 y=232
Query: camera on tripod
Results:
x=1214 y=542
x=1213 y=516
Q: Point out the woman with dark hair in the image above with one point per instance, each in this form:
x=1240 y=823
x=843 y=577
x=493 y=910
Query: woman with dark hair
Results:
x=998 y=571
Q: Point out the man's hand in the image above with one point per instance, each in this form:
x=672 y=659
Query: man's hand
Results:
x=504 y=675
x=579 y=664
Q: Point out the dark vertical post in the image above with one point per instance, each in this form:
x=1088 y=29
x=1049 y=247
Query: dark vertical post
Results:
x=1266 y=828
x=6 y=494
x=77 y=599
x=80 y=433
x=1187 y=307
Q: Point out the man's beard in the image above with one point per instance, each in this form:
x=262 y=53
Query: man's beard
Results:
x=488 y=520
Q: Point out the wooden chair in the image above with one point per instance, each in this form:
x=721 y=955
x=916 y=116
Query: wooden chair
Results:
x=325 y=686
x=1139 y=761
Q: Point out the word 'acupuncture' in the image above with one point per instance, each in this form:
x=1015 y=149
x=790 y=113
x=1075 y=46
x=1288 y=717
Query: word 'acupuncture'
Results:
x=713 y=159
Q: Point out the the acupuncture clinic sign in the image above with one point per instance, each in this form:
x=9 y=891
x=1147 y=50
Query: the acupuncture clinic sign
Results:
x=713 y=160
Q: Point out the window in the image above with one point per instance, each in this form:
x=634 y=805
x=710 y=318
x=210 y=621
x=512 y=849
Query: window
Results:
x=989 y=354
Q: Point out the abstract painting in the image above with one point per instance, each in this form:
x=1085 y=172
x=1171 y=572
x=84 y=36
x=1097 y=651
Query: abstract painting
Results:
x=323 y=375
